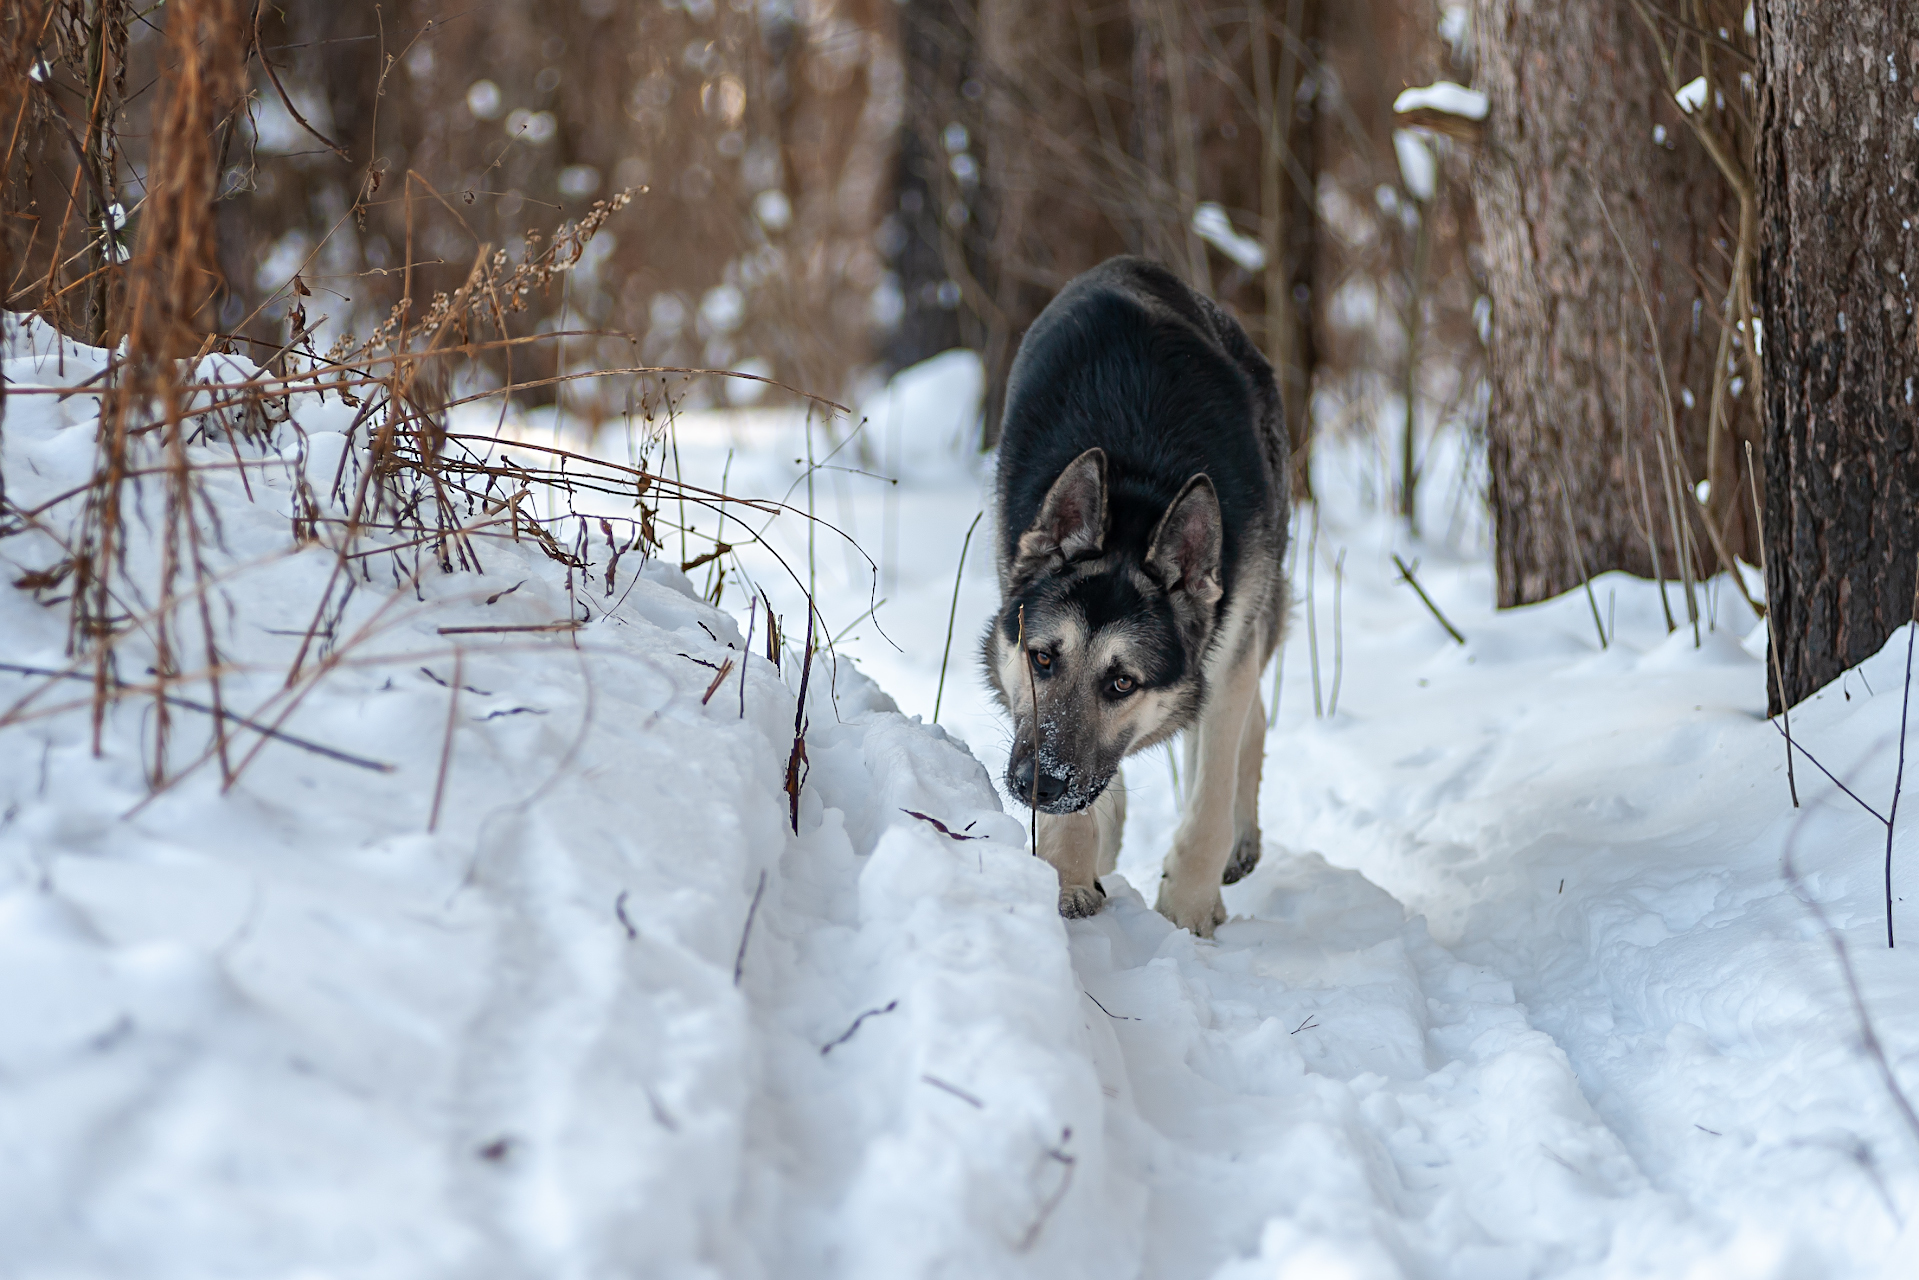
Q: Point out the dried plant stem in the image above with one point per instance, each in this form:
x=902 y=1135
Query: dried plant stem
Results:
x=1312 y=612
x=746 y=654
x=952 y=615
x=1772 y=628
x=1408 y=461
x=1652 y=539
x=1406 y=576
x=1579 y=555
x=1868 y=1033
x=446 y=744
x=1339 y=634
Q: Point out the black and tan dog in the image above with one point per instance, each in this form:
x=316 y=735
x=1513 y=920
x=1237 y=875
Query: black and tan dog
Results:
x=1142 y=525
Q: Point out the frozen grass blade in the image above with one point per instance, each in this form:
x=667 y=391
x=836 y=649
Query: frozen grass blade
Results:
x=952 y=615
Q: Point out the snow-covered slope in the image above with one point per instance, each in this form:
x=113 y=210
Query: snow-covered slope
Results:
x=1517 y=990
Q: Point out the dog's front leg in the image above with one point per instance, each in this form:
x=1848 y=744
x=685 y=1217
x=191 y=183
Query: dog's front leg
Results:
x=1189 y=893
x=1071 y=842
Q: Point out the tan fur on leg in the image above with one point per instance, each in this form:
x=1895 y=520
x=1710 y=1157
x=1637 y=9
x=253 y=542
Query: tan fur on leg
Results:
x=1252 y=756
x=1071 y=843
x=1189 y=894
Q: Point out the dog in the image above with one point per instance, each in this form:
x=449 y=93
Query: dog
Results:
x=1142 y=521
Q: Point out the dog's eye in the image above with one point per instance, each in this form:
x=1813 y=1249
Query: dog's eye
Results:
x=1123 y=685
x=1042 y=660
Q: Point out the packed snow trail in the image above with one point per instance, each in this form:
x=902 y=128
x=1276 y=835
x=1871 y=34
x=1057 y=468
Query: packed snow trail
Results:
x=1516 y=991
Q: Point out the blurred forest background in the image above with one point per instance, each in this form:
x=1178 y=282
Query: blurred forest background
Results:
x=1571 y=260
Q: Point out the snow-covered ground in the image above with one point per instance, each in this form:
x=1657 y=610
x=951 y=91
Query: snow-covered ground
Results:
x=1518 y=989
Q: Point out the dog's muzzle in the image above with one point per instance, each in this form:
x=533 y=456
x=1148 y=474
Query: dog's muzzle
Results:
x=1052 y=792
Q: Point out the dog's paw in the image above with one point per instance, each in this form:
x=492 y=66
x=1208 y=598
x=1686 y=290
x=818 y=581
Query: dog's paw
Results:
x=1077 y=901
x=1245 y=858
x=1201 y=913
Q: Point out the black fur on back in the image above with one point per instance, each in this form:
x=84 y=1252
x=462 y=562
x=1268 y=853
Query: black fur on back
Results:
x=1128 y=359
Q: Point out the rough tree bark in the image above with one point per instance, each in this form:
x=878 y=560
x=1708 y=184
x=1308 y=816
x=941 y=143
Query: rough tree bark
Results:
x=1580 y=114
x=1839 y=143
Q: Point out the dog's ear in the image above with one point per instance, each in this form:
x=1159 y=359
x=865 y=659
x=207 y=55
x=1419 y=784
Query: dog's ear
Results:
x=1186 y=545
x=1072 y=521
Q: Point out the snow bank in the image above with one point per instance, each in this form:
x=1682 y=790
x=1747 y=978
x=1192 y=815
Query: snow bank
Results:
x=288 y=1030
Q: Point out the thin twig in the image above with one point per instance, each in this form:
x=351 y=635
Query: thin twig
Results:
x=952 y=614
x=1772 y=628
x=739 y=960
x=446 y=745
x=265 y=731
x=849 y=1032
x=1406 y=576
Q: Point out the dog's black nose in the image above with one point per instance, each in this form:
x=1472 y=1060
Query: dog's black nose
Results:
x=1049 y=788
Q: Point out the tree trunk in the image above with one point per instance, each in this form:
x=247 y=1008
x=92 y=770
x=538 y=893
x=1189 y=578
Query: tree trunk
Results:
x=1839 y=88
x=1598 y=205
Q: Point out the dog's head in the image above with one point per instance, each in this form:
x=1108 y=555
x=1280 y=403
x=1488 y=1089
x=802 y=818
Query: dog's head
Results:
x=1096 y=650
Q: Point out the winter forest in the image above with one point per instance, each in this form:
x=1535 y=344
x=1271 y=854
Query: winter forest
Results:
x=499 y=774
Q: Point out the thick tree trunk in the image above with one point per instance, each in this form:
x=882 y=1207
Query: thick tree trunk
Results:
x=1838 y=257
x=1583 y=129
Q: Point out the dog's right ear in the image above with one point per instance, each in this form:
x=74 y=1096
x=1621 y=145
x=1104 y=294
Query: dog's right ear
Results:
x=1072 y=521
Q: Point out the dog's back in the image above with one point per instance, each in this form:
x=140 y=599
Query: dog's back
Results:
x=1128 y=359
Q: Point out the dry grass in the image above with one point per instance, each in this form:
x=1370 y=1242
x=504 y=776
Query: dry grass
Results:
x=413 y=492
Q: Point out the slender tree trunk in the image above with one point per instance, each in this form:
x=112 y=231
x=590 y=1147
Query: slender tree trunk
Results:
x=1597 y=206
x=1838 y=258
x=1288 y=222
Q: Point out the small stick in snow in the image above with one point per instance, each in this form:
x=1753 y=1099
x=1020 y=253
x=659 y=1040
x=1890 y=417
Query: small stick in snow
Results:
x=725 y=670
x=848 y=1033
x=739 y=961
x=795 y=774
x=1116 y=1017
x=1899 y=778
x=955 y=1090
x=746 y=654
x=952 y=615
x=1772 y=633
x=1052 y=1201
x=1406 y=576
x=1868 y=1033
x=619 y=910
x=939 y=826
x=1312 y=612
x=1339 y=633
x=570 y=624
x=446 y=746
x=1308 y=1025
x=245 y=722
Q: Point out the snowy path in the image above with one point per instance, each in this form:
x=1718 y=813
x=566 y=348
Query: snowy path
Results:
x=1517 y=990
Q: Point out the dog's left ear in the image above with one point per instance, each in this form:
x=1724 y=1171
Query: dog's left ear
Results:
x=1072 y=520
x=1186 y=545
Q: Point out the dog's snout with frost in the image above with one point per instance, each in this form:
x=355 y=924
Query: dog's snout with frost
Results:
x=1042 y=792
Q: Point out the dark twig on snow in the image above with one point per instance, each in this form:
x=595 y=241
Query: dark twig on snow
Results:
x=939 y=826
x=1116 y=1017
x=446 y=745
x=1406 y=576
x=848 y=1033
x=188 y=704
x=725 y=669
x=619 y=910
x=1772 y=633
x=1067 y=1163
x=797 y=765
x=955 y=1090
x=739 y=960
x=1868 y=1033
